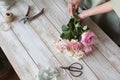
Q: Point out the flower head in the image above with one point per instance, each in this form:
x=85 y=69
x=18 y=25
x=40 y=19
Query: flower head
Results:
x=61 y=45
x=88 y=49
x=79 y=55
x=88 y=38
x=74 y=46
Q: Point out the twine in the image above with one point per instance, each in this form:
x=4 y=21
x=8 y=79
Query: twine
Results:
x=9 y=17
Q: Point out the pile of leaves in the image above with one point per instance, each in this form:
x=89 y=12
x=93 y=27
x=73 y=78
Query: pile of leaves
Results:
x=73 y=29
x=77 y=40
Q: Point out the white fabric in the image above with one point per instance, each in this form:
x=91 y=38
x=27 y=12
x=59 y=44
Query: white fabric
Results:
x=48 y=74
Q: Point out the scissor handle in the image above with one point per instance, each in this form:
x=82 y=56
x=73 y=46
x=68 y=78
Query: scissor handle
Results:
x=35 y=16
x=78 y=73
x=74 y=69
x=28 y=11
x=76 y=63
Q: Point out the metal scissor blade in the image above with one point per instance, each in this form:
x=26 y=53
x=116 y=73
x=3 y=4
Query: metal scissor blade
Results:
x=64 y=67
x=22 y=19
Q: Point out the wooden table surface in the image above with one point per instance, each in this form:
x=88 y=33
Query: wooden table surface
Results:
x=30 y=47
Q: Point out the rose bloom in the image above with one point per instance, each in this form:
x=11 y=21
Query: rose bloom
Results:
x=74 y=46
x=79 y=55
x=61 y=45
x=88 y=49
x=88 y=38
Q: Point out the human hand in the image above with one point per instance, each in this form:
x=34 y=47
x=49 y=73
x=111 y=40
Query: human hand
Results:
x=83 y=15
x=73 y=5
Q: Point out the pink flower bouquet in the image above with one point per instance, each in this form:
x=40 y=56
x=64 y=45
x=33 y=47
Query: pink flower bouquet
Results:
x=76 y=48
x=76 y=39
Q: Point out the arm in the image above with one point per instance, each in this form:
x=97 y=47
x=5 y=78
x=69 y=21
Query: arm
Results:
x=103 y=8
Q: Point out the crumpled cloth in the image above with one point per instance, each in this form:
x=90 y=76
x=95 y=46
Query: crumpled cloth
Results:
x=48 y=74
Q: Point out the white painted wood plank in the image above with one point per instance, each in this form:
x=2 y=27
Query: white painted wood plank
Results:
x=49 y=35
x=87 y=60
x=35 y=47
x=105 y=45
x=17 y=55
x=97 y=58
x=53 y=12
x=87 y=71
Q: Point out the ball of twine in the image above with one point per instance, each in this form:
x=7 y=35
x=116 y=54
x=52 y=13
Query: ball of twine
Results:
x=9 y=17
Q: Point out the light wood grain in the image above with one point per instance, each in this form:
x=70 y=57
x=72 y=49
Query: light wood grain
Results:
x=18 y=56
x=106 y=46
x=30 y=47
x=37 y=50
x=49 y=37
x=97 y=58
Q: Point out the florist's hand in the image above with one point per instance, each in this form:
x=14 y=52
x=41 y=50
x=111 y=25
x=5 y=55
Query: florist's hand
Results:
x=73 y=5
x=83 y=15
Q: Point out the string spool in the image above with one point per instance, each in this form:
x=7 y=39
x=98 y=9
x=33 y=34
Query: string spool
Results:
x=9 y=17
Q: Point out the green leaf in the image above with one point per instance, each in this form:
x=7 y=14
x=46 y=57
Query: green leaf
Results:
x=77 y=25
x=73 y=29
x=71 y=20
x=67 y=35
x=62 y=35
x=65 y=28
x=85 y=28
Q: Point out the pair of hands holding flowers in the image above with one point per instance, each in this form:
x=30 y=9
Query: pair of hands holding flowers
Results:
x=73 y=6
x=99 y=9
x=76 y=39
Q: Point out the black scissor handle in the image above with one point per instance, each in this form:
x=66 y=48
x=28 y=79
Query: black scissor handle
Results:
x=78 y=73
x=72 y=66
x=28 y=11
x=74 y=69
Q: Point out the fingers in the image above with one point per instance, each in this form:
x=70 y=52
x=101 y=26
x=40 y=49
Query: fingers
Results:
x=70 y=8
x=76 y=6
x=82 y=16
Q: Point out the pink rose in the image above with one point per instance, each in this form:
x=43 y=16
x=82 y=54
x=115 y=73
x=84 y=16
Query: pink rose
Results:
x=61 y=45
x=74 y=46
x=88 y=38
x=88 y=49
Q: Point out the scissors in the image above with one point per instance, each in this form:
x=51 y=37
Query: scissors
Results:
x=74 y=69
x=28 y=18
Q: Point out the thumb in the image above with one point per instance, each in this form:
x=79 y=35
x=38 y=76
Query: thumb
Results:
x=80 y=16
x=76 y=7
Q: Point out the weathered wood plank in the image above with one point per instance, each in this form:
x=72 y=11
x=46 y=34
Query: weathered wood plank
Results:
x=105 y=45
x=34 y=45
x=106 y=63
x=53 y=12
x=49 y=37
x=17 y=55
x=33 y=42
x=86 y=68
